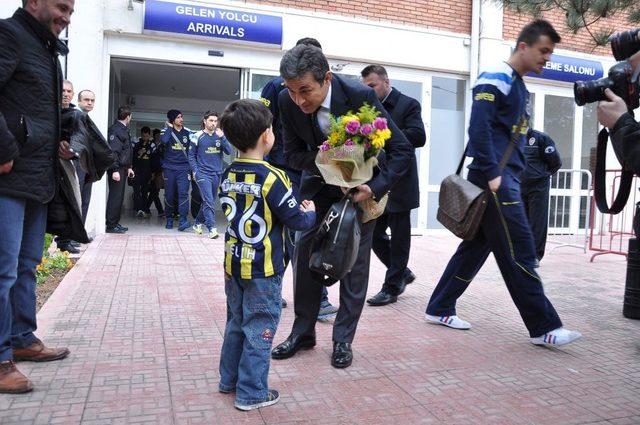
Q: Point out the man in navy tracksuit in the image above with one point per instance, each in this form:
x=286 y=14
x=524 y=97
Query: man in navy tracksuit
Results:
x=205 y=158
x=175 y=165
x=498 y=118
x=543 y=161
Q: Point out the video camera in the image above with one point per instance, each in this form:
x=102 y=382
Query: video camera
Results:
x=620 y=79
x=624 y=82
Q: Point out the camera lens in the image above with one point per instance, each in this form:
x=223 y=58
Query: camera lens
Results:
x=591 y=91
x=625 y=44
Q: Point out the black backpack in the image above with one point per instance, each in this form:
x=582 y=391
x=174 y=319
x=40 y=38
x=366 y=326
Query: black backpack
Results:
x=335 y=246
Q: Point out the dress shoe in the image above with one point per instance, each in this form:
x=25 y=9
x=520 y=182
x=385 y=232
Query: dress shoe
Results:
x=121 y=227
x=69 y=248
x=342 y=355
x=382 y=298
x=292 y=345
x=37 y=352
x=12 y=381
x=115 y=230
x=408 y=277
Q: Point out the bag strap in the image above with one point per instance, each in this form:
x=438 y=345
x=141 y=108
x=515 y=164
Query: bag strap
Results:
x=507 y=153
x=600 y=182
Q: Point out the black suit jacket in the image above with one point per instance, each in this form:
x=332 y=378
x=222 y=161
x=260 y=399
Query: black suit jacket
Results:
x=406 y=113
x=302 y=137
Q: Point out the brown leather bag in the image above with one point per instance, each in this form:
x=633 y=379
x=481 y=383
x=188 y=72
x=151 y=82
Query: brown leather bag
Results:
x=461 y=204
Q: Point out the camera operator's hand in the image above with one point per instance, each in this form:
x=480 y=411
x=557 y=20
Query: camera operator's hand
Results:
x=494 y=184
x=609 y=112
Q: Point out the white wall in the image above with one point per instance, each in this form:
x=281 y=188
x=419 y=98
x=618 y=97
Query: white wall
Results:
x=7 y=7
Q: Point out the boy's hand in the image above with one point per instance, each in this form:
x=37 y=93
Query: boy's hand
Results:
x=307 y=206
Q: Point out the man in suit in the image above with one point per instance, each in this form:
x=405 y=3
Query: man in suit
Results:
x=394 y=251
x=313 y=93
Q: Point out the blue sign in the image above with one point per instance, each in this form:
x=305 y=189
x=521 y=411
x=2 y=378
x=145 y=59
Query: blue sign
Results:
x=565 y=68
x=212 y=22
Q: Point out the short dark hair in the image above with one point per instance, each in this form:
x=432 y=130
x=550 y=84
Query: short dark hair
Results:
x=82 y=91
x=374 y=69
x=123 y=112
x=210 y=113
x=243 y=121
x=304 y=59
x=536 y=29
x=24 y=3
x=309 y=42
x=145 y=130
x=156 y=131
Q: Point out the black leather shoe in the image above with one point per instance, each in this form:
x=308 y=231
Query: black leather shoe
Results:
x=121 y=227
x=342 y=355
x=408 y=277
x=69 y=248
x=115 y=230
x=382 y=298
x=292 y=345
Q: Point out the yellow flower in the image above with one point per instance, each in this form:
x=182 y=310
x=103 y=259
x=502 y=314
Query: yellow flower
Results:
x=348 y=118
x=384 y=134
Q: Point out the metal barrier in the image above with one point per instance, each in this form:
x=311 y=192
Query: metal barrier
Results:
x=610 y=233
x=564 y=222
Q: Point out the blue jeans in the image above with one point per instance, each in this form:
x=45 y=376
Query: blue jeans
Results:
x=253 y=313
x=22 y=226
x=176 y=181
x=208 y=185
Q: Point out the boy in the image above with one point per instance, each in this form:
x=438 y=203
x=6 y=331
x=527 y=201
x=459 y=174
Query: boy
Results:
x=258 y=201
x=205 y=158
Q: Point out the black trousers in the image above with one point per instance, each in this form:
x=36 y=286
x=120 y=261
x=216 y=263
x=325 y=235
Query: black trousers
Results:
x=393 y=251
x=535 y=195
x=85 y=191
x=115 y=198
x=196 y=199
x=153 y=197
x=141 y=189
x=308 y=292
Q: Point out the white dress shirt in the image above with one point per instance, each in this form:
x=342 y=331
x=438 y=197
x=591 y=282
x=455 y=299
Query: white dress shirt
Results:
x=323 y=112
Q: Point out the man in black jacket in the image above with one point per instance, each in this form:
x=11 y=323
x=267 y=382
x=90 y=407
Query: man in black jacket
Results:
x=30 y=93
x=543 y=160
x=313 y=93
x=120 y=142
x=405 y=194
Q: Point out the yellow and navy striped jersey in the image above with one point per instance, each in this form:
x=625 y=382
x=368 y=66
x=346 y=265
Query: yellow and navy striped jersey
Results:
x=258 y=201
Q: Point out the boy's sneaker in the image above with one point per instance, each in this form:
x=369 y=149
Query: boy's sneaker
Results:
x=213 y=234
x=184 y=226
x=272 y=398
x=557 y=337
x=284 y=303
x=197 y=228
x=169 y=224
x=451 y=321
x=326 y=310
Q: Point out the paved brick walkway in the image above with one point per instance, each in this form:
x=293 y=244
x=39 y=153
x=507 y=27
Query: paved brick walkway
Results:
x=144 y=316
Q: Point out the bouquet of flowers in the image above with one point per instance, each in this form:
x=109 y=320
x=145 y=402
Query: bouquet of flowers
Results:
x=348 y=156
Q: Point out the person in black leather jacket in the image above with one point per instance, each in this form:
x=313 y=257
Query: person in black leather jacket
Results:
x=30 y=178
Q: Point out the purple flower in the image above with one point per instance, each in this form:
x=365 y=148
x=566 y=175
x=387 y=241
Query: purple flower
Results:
x=367 y=145
x=352 y=127
x=366 y=129
x=349 y=142
x=324 y=147
x=380 y=123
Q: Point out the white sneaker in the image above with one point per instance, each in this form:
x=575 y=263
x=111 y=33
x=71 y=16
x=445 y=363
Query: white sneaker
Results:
x=557 y=337
x=451 y=321
x=197 y=228
x=213 y=234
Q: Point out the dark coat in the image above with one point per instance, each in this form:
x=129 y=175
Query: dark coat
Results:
x=30 y=92
x=120 y=142
x=543 y=159
x=625 y=138
x=407 y=115
x=302 y=138
x=87 y=141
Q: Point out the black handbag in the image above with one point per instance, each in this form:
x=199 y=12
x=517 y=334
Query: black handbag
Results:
x=334 y=248
x=461 y=204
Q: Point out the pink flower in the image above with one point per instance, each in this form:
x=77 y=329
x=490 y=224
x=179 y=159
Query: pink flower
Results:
x=349 y=142
x=367 y=145
x=380 y=123
x=325 y=147
x=352 y=127
x=366 y=129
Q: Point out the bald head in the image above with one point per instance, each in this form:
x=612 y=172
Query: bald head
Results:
x=86 y=100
